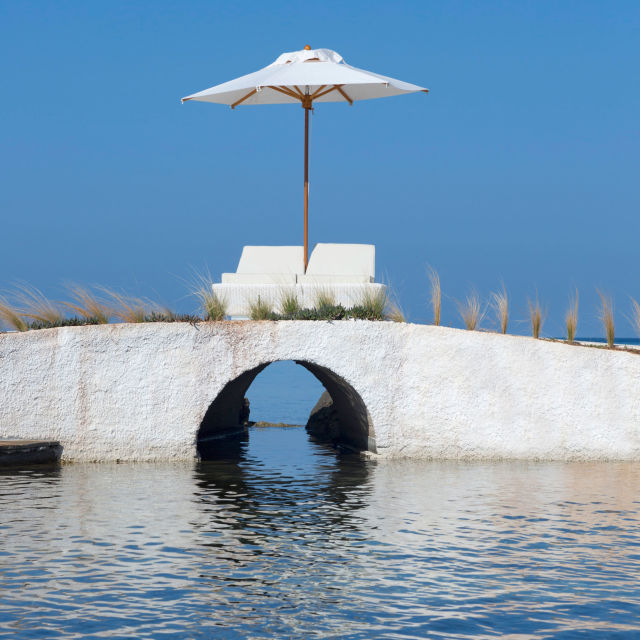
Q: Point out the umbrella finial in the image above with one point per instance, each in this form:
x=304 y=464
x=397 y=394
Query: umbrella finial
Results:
x=307 y=47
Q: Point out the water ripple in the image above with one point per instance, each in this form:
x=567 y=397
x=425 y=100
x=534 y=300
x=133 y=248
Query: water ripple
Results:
x=285 y=538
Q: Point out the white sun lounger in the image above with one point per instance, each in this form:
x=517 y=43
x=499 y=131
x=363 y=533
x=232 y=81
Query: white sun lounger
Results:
x=344 y=270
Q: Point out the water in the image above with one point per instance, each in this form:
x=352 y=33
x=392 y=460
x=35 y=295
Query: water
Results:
x=286 y=538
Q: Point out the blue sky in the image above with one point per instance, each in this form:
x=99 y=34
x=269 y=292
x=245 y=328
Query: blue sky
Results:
x=520 y=166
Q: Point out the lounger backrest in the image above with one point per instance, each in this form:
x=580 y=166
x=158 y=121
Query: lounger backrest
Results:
x=343 y=260
x=271 y=260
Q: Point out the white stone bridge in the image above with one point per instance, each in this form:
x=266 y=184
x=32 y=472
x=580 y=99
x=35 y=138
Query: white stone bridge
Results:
x=154 y=391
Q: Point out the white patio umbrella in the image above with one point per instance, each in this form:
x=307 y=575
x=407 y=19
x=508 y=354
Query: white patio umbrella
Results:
x=304 y=77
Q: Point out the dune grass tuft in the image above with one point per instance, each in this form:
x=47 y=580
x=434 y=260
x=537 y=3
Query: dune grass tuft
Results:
x=571 y=318
x=436 y=295
x=212 y=305
x=371 y=304
x=87 y=305
x=11 y=317
x=37 y=307
x=635 y=315
x=500 y=303
x=605 y=313
x=324 y=297
x=536 y=317
x=289 y=304
x=259 y=309
x=128 y=308
x=470 y=311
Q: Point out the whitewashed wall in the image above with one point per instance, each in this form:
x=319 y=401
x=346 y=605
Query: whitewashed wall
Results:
x=139 y=392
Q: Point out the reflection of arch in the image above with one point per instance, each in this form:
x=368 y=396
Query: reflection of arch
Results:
x=356 y=430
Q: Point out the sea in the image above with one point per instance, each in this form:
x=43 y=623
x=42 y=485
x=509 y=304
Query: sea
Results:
x=283 y=536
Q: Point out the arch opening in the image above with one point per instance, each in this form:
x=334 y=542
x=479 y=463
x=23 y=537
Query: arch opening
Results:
x=227 y=415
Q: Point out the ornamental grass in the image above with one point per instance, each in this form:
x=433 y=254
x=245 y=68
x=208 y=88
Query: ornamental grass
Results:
x=605 y=314
x=436 y=295
x=500 y=303
x=470 y=310
x=571 y=318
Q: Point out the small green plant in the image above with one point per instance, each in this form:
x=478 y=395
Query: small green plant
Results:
x=212 y=305
x=536 y=317
x=471 y=311
x=63 y=322
x=10 y=316
x=260 y=310
x=289 y=303
x=87 y=305
x=500 y=302
x=571 y=318
x=324 y=297
x=436 y=295
x=371 y=304
x=605 y=313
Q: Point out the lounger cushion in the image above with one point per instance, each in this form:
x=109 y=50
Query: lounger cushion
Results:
x=259 y=278
x=342 y=260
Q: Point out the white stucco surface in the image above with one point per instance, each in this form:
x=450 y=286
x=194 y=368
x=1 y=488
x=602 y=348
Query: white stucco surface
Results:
x=139 y=392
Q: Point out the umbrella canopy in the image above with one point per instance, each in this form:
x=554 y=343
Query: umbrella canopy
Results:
x=318 y=75
x=304 y=77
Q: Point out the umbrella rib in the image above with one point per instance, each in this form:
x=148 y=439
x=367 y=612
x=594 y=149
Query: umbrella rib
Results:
x=317 y=91
x=237 y=102
x=344 y=95
x=324 y=93
x=302 y=96
x=286 y=91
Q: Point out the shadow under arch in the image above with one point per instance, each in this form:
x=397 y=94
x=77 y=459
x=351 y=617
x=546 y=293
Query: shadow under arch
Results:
x=225 y=414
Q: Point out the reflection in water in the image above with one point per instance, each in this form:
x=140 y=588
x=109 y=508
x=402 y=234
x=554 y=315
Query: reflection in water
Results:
x=283 y=537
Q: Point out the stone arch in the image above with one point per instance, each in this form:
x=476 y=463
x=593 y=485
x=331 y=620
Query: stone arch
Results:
x=224 y=415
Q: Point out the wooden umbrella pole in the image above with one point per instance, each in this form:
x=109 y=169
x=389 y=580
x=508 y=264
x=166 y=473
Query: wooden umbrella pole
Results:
x=306 y=185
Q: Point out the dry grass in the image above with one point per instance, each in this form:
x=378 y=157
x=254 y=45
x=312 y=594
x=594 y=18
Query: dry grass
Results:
x=635 y=315
x=12 y=317
x=212 y=306
x=605 y=313
x=128 y=308
x=259 y=309
x=395 y=313
x=289 y=304
x=324 y=297
x=87 y=305
x=571 y=318
x=471 y=311
x=36 y=306
x=374 y=302
x=500 y=303
x=536 y=317
x=436 y=295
